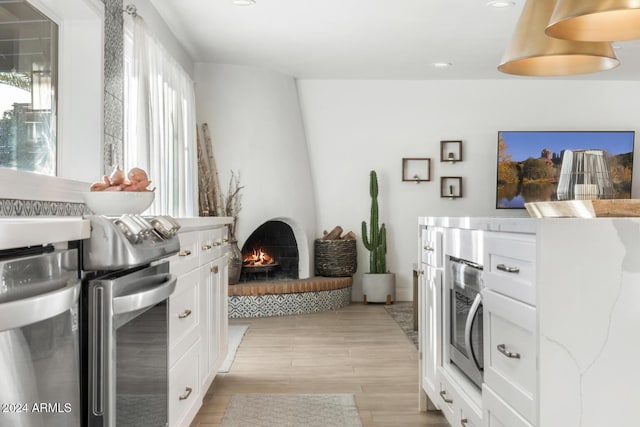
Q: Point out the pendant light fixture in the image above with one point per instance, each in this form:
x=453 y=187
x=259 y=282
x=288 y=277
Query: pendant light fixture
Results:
x=595 y=20
x=533 y=53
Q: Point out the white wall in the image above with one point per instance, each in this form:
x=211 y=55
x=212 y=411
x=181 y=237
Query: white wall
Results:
x=355 y=126
x=256 y=128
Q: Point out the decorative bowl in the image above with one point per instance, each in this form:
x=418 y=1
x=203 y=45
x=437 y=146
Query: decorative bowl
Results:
x=114 y=203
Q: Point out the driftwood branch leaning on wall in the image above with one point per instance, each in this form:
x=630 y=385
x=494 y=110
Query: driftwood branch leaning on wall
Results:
x=209 y=183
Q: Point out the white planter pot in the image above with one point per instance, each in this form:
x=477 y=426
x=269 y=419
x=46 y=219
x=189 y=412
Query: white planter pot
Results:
x=379 y=287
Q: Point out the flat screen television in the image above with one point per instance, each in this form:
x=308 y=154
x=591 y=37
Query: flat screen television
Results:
x=529 y=163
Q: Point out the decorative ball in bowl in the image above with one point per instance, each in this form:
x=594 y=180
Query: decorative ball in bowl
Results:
x=114 y=203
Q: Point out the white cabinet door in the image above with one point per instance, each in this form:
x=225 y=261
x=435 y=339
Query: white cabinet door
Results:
x=457 y=405
x=431 y=247
x=510 y=351
x=187 y=258
x=185 y=315
x=497 y=413
x=214 y=280
x=430 y=289
x=222 y=319
x=510 y=265
x=184 y=387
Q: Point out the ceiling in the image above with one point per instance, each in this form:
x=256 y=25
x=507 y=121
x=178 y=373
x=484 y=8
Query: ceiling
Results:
x=360 y=39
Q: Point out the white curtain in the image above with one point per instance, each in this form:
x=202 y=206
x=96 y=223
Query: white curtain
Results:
x=160 y=124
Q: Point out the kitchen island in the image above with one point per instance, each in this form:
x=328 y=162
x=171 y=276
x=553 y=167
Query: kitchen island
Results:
x=559 y=320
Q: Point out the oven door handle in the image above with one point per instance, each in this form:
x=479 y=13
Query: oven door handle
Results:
x=473 y=312
x=155 y=288
x=26 y=311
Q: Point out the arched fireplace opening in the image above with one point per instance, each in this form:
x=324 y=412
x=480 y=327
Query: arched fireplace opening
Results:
x=270 y=253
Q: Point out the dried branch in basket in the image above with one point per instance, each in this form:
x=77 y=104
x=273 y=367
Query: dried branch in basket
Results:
x=233 y=202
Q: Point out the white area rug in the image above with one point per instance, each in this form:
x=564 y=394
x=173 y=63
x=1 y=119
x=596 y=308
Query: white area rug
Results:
x=236 y=333
x=291 y=410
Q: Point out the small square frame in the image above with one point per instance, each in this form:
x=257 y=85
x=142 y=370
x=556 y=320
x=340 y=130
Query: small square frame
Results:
x=451 y=187
x=416 y=169
x=451 y=151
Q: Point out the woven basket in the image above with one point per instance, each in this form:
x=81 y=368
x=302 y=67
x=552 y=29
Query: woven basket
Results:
x=336 y=258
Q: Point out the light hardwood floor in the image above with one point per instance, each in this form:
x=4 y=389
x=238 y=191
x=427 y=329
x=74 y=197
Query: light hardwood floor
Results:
x=359 y=349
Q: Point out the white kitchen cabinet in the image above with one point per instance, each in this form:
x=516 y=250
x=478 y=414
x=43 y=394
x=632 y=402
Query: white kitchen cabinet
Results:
x=497 y=413
x=510 y=352
x=510 y=349
x=214 y=279
x=510 y=265
x=430 y=301
x=562 y=295
x=198 y=320
x=184 y=386
x=456 y=404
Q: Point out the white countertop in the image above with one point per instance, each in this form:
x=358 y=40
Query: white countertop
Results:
x=17 y=232
x=506 y=224
x=203 y=222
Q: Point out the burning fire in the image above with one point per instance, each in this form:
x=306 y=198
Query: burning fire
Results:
x=257 y=257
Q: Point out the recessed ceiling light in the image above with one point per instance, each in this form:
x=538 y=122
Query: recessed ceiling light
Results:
x=442 y=64
x=501 y=3
x=244 y=2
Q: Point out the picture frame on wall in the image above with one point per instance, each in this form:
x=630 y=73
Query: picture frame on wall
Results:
x=451 y=187
x=416 y=169
x=529 y=163
x=451 y=151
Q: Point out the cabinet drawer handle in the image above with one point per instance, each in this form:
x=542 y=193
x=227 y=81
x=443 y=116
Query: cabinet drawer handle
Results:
x=184 y=314
x=216 y=243
x=214 y=269
x=443 y=395
x=508 y=269
x=186 y=252
x=225 y=240
x=429 y=248
x=206 y=247
x=187 y=393
x=463 y=422
x=503 y=349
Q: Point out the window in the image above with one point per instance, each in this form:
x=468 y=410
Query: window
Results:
x=28 y=88
x=160 y=121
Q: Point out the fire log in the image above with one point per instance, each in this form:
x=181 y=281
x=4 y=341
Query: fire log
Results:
x=333 y=234
x=349 y=236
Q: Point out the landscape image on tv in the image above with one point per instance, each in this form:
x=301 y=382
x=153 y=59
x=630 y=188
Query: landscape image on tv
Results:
x=529 y=163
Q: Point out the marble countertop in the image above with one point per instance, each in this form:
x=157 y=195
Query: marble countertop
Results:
x=506 y=224
x=17 y=232
x=203 y=222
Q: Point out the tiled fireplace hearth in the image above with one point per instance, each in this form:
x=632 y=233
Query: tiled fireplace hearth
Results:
x=287 y=297
x=280 y=290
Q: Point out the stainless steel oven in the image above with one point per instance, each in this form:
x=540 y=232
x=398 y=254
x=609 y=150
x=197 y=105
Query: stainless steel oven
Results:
x=127 y=347
x=464 y=283
x=39 y=347
x=126 y=286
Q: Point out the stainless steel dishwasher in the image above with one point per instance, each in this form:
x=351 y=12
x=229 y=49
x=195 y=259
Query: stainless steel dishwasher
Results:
x=39 y=352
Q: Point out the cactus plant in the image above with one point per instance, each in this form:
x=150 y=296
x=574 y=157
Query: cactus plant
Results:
x=376 y=240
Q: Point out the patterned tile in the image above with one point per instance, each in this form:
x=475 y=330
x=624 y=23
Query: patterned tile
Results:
x=287 y=304
x=16 y=207
x=113 y=116
x=114 y=84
